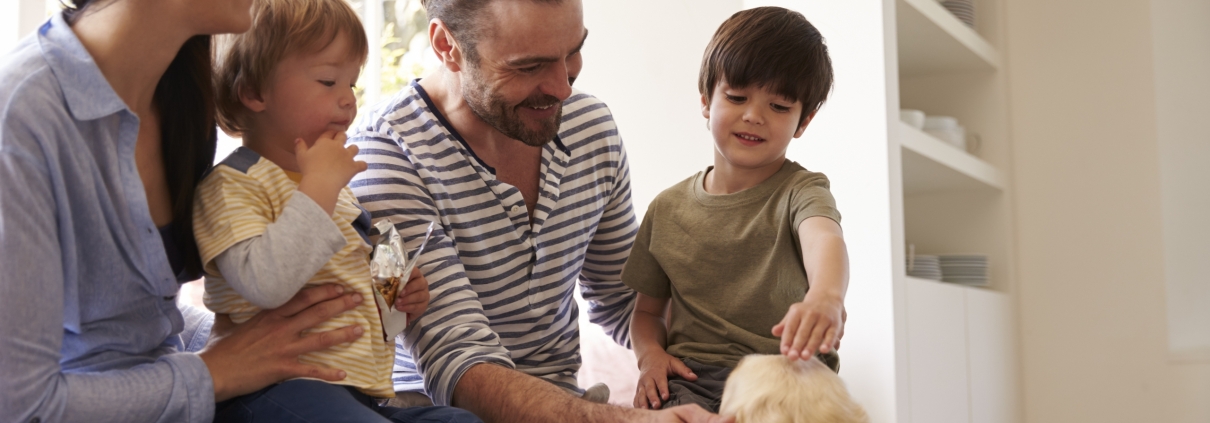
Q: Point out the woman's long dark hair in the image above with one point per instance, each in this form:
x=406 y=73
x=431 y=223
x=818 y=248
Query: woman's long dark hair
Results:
x=184 y=100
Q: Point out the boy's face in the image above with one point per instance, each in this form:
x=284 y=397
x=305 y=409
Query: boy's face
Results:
x=308 y=94
x=752 y=126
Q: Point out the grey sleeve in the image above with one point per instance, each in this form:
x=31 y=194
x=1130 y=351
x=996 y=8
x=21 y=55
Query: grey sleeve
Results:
x=268 y=269
x=611 y=302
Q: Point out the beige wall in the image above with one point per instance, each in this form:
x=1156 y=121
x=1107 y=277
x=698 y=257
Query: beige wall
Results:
x=1087 y=175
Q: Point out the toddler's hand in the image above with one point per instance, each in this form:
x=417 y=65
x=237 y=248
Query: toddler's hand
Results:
x=414 y=300
x=328 y=159
x=654 y=369
x=812 y=326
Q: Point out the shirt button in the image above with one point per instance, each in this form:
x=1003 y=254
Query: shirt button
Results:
x=515 y=209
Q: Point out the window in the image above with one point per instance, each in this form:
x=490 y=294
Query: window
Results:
x=397 y=31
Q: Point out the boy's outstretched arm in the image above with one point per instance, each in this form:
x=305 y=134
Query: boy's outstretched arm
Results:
x=817 y=323
x=649 y=335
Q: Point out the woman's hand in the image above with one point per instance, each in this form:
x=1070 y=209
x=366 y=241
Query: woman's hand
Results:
x=414 y=300
x=654 y=369
x=264 y=350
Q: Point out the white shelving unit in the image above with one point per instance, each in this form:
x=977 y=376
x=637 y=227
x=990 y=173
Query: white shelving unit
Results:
x=932 y=40
x=960 y=349
x=961 y=359
x=919 y=351
x=931 y=165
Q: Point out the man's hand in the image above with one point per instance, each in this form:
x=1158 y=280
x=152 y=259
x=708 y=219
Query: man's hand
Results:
x=414 y=300
x=654 y=369
x=812 y=326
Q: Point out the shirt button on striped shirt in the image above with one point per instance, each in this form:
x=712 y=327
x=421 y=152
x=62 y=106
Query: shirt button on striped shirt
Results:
x=515 y=209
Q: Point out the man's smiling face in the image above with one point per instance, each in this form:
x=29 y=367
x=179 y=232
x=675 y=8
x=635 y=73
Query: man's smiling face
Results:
x=526 y=59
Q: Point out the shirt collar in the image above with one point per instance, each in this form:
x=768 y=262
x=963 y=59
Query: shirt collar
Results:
x=85 y=89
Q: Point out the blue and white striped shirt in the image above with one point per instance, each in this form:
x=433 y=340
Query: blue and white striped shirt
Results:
x=501 y=288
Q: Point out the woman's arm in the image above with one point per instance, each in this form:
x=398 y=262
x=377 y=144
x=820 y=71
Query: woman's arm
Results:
x=174 y=387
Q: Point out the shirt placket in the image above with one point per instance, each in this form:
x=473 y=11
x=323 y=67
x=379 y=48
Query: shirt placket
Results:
x=147 y=241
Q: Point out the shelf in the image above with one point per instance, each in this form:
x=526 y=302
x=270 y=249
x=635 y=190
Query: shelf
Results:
x=958 y=286
x=931 y=165
x=931 y=40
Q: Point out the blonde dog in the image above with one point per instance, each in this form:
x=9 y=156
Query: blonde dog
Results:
x=773 y=389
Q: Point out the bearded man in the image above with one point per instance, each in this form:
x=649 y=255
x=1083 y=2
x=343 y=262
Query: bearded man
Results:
x=528 y=182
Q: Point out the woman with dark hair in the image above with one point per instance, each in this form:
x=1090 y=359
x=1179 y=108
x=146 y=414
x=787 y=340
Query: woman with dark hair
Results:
x=106 y=127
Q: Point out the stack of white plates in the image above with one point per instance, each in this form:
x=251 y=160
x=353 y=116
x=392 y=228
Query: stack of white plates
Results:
x=963 y=9
x=966 y=269
x=924 y=266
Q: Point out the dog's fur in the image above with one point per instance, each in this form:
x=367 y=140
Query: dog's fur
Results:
x=773 y=389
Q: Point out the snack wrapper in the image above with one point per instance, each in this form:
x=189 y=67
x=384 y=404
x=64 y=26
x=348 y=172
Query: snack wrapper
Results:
x=389 y=270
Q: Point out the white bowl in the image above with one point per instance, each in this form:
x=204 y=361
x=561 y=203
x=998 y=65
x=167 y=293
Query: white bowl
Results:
x=912 y=117
x=940 y=122
x=952 y=136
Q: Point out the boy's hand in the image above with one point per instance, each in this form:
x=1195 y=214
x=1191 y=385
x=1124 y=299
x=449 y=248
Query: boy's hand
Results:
x=654 y=369
x=414 y=300
x=327 y=167
x=328 y=159
x=812 y=326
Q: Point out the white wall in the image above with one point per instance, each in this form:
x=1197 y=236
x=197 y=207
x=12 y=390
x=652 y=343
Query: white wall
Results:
x=19 y=18
x=1090 y=216
x=642 y=59
x=8 y=24
x=1181 y=30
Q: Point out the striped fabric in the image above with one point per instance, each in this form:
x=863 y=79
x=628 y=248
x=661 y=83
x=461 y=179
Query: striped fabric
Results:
x=236 y=201
x=501 y=289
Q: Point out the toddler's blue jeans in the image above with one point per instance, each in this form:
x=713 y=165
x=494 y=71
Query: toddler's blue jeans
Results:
x=313 y=401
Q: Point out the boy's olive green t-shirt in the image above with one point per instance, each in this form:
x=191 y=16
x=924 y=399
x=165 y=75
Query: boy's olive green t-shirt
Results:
x=731 y=264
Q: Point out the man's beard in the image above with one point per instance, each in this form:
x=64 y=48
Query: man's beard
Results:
x=495 y=111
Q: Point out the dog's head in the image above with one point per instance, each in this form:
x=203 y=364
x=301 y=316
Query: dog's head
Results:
x=774 y=389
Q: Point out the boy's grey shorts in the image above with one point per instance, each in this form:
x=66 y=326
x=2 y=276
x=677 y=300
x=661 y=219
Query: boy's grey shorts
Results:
x=707 y=390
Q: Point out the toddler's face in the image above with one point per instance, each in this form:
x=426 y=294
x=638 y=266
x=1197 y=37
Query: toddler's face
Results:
x=752 y=126
x=309 y=94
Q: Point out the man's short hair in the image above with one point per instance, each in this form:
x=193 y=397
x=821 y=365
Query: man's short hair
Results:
x=461 y=17
x=773 y=389
x=773 y=48
x=280 y=28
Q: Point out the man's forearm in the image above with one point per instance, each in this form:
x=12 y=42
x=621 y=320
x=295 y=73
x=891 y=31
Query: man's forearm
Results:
x=501 y=395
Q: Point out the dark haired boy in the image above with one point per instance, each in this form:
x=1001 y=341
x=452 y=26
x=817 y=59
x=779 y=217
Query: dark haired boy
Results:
x=749 y=250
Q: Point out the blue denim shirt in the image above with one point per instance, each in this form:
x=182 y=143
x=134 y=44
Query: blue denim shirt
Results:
x=89 y=324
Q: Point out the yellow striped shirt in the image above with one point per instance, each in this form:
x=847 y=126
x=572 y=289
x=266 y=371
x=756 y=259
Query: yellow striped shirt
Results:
x=237 y=201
